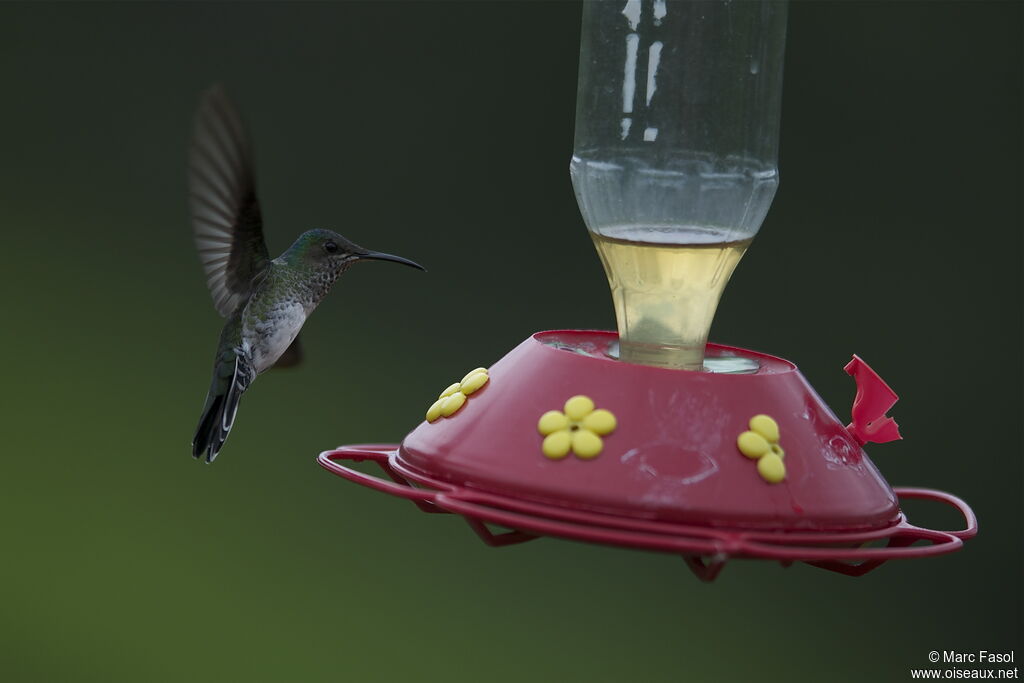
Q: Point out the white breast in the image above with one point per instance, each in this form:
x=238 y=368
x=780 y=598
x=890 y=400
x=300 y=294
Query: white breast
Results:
x=270 y=337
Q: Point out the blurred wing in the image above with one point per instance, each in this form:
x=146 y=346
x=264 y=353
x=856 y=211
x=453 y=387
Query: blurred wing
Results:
x=226 y=219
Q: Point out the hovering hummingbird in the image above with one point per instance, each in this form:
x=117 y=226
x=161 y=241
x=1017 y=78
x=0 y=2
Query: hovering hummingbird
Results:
x=265 y=301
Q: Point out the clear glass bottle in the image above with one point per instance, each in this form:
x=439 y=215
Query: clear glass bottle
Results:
x=674 y=163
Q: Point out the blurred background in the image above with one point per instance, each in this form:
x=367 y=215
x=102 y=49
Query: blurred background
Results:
x=442 y=132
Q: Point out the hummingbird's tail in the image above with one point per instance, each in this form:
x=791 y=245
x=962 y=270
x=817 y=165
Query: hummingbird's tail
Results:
x=229 y=383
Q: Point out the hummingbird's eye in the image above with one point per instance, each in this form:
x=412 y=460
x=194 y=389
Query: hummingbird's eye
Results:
x=330 y=247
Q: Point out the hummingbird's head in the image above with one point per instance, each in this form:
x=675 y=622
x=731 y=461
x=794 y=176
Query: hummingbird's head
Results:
x=328 y=252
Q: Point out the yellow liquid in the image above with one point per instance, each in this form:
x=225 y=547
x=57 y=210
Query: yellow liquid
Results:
x=666 y=294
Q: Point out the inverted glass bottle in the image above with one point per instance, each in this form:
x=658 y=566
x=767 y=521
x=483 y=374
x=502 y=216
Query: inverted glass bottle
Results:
x=674 y=163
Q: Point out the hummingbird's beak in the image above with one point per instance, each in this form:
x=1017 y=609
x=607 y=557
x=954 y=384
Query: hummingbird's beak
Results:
x=381 y=256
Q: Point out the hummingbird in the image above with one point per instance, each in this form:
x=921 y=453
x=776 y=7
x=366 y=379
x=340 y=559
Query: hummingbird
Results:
x=265 y=301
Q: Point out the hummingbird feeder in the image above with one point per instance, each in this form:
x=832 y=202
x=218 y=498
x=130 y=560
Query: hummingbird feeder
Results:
x=651 y=437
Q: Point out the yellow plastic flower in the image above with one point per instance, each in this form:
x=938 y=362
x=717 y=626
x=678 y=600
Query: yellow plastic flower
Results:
x=761 y=443
x=577 y=428
x=454 y=397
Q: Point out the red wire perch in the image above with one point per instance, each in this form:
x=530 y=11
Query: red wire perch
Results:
x=705 y=549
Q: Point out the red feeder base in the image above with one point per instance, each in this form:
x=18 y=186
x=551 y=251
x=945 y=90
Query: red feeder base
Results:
x=705 y=549
x=669 y=477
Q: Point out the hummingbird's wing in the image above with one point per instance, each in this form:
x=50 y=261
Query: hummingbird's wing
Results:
x=226 y=220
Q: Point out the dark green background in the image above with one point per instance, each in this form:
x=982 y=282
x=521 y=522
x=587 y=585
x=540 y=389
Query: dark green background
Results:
x=442 y=132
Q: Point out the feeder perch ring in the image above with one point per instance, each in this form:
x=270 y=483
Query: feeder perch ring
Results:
x=705 y=548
